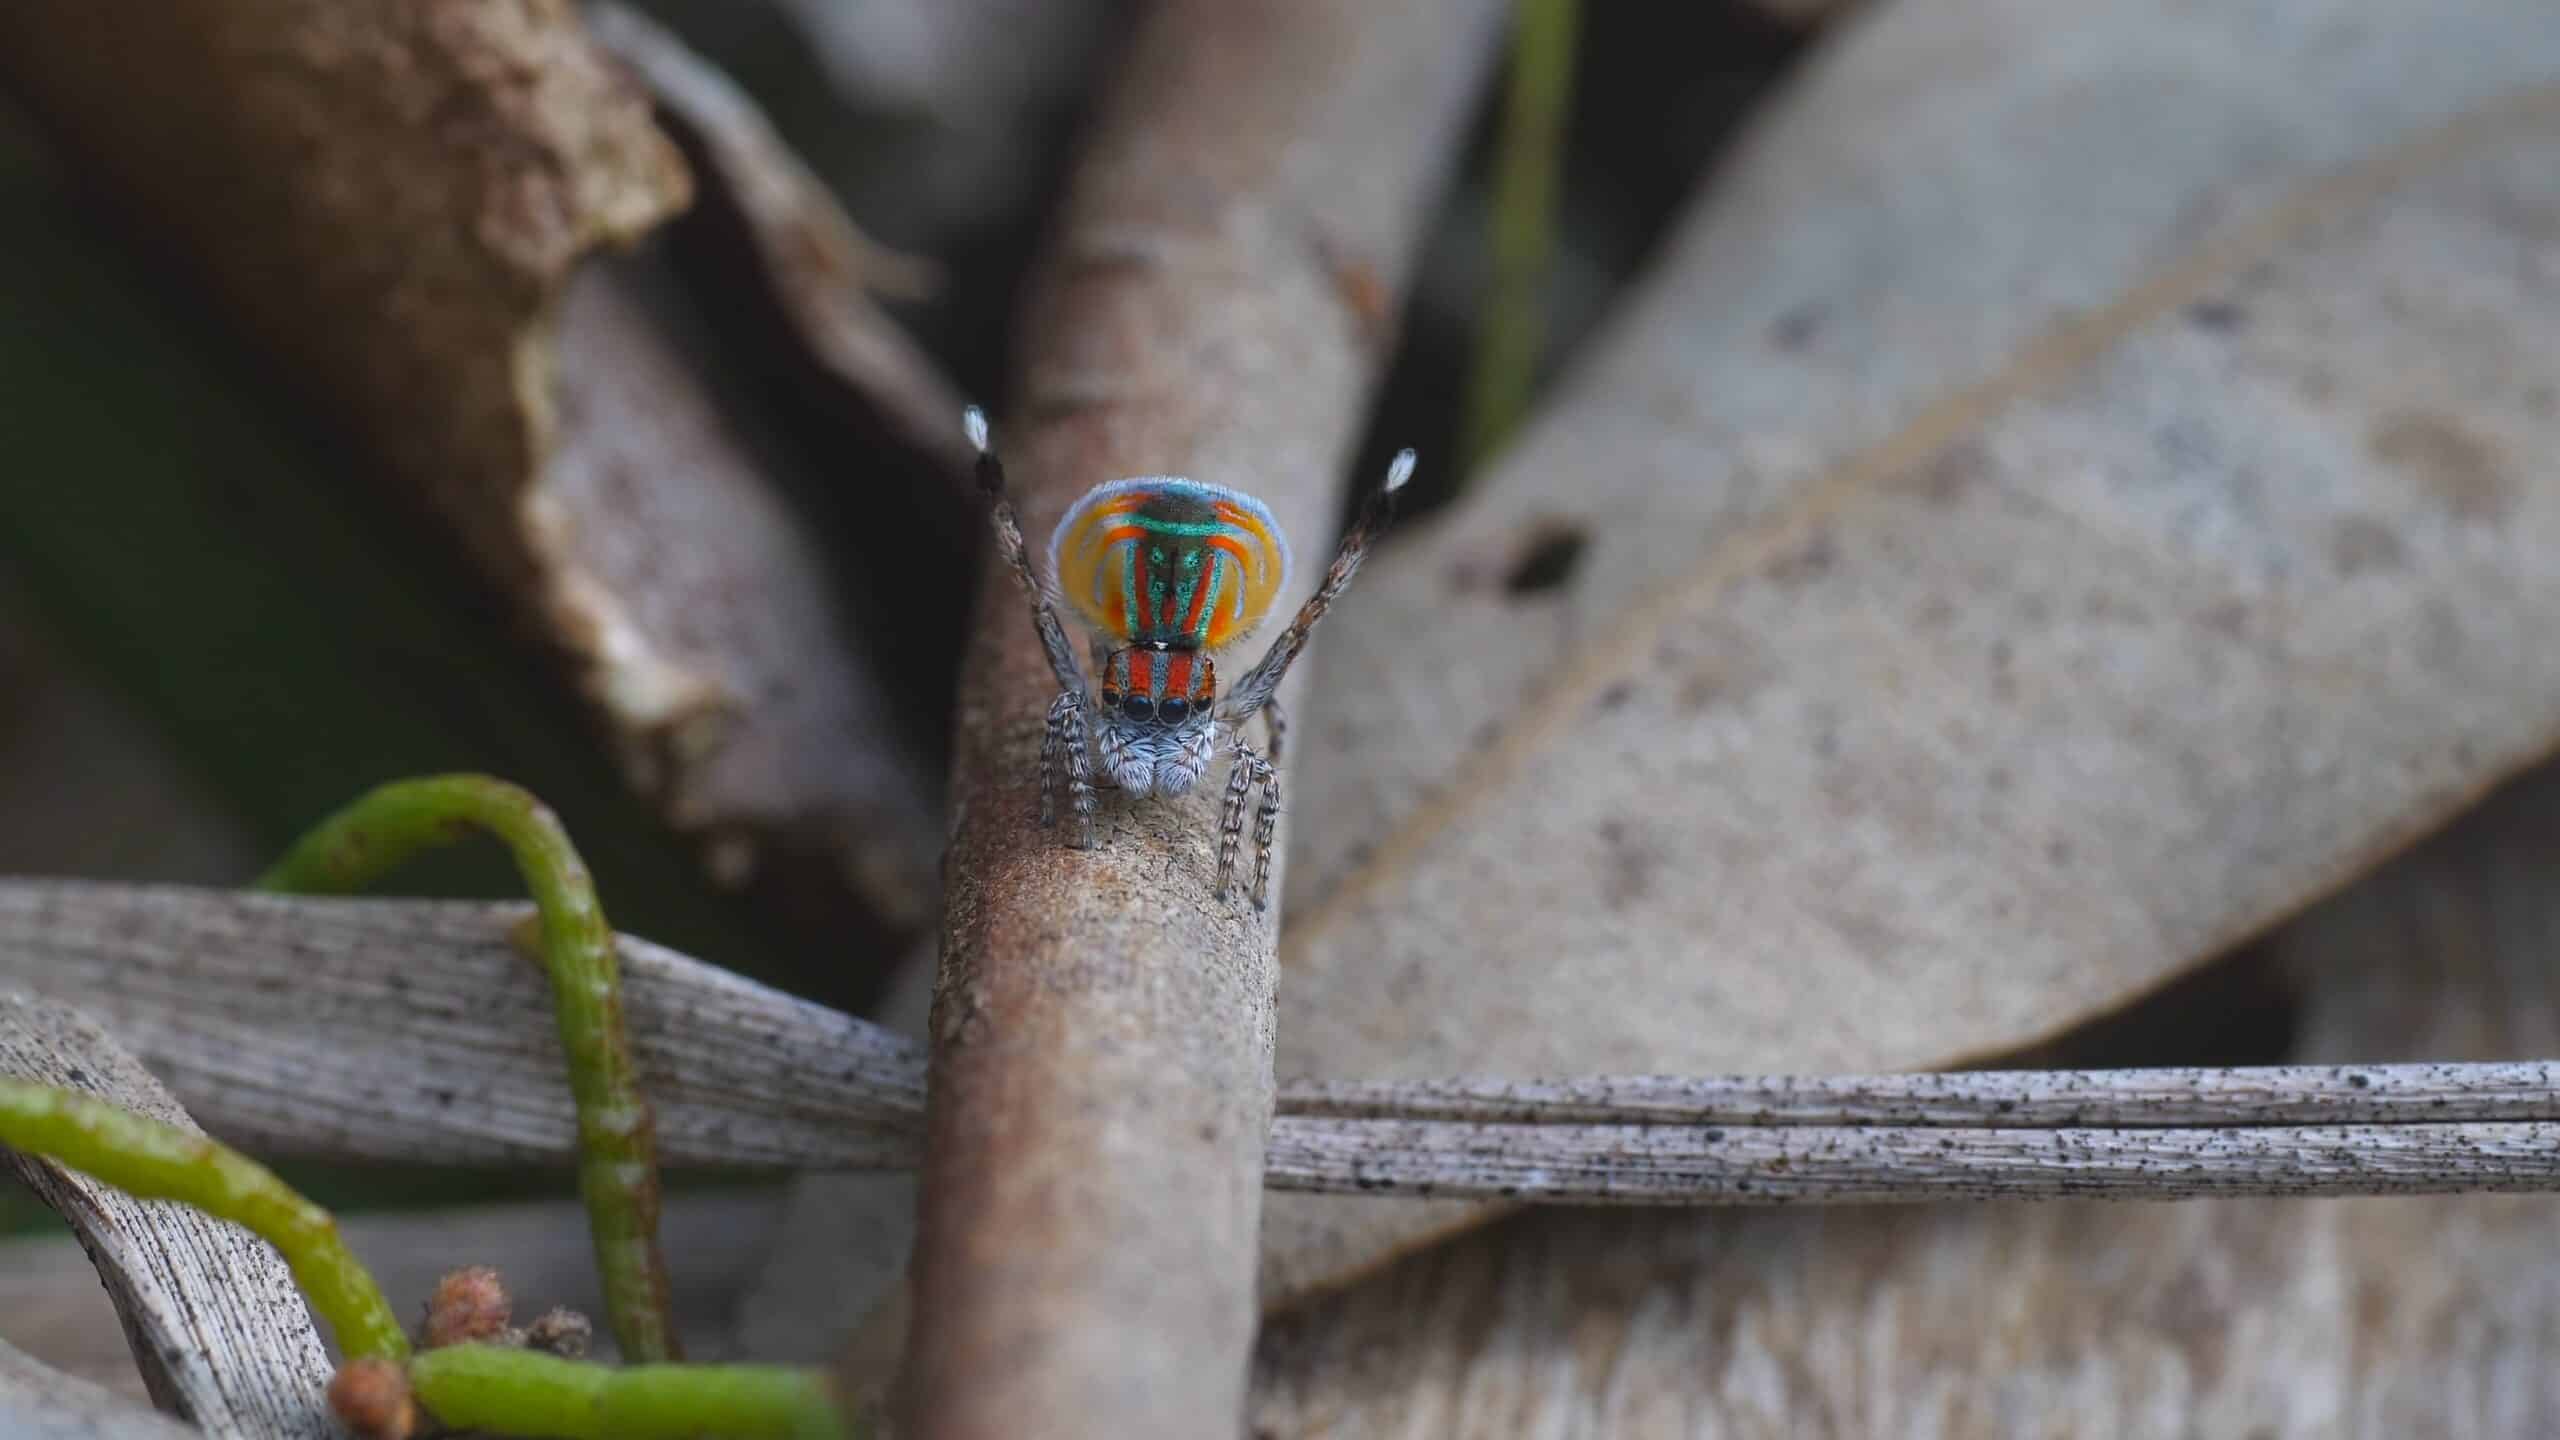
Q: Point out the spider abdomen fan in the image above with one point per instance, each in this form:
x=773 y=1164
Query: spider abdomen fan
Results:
x=1170 y=563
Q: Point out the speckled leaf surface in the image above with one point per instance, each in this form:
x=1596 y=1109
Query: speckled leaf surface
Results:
x=2268 y=1318
x=2064 y=501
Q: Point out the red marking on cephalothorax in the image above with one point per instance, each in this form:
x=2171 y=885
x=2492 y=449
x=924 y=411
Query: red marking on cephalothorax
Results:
x=1177 y=673
x=1142 y=672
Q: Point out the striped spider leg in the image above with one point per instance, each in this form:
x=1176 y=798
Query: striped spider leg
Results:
x=1062 y=743
x=1163 y=572
x=1259 y=689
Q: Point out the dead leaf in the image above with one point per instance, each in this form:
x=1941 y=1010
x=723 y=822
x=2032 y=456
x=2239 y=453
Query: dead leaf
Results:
x=2227 y=1317
x=402 y=204
x=2061 y=505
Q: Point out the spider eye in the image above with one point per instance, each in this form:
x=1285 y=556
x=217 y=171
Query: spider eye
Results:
x=1173 y=710
x=1110 y=699
x=1139 y=707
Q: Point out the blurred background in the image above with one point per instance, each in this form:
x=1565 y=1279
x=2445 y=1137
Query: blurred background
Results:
x=245 y=575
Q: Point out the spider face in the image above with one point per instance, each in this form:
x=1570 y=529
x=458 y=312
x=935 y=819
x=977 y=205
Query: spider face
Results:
x=1155 y=684
x=1156 y=727
x=1155 y=757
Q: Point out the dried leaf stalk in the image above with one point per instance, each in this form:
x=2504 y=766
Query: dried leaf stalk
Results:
x=763 y=1080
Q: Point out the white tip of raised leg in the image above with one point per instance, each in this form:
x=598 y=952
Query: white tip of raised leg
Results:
x=974 y=421
x=1399 y=470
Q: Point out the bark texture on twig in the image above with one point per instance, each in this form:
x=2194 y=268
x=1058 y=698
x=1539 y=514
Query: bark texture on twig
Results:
x=1103 y=1026
x=38 y=1402
x=210 y=1311
x=402 y=202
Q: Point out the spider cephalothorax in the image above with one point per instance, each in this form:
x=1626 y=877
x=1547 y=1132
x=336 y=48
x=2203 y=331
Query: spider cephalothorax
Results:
x=1163 y=571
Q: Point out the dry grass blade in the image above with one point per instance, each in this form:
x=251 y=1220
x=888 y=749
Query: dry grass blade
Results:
x=1103 y=1025
x=209 y=1310
x=1836 y=1165
x=305 y=1026
x=417 y=1030
x=2007 y=1099
x=38 y=1402
x=1963 y=636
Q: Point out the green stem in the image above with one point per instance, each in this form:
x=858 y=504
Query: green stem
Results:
x=523 y=1392
x=1531 y=155
x=144 y=1157
x=617 y=1144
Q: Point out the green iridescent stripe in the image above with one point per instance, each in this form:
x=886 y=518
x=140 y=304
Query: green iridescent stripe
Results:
x=1178 y=527
x=1218 y=562
x=1137 y=623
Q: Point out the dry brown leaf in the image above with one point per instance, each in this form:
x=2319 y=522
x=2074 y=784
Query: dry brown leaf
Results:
x=2235 y=1317
x=401 y=202
x=2063 y=503
x=821 y=270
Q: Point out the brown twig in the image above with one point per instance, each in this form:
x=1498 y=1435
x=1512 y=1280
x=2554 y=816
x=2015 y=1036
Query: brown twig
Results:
x=1103 y=1027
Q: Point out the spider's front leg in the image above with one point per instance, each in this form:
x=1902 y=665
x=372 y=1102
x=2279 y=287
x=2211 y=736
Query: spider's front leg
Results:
x=1064 y=749
x=1248 y=771
x=1064 y=739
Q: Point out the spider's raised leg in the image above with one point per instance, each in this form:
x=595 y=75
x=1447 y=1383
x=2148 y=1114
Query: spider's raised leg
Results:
x=1044 y=615
x=1260 y=683
x=1064 y=738
x=1066 y=724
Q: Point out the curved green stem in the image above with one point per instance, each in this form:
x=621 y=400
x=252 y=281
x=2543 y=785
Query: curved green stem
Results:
x=144 y=1157
x=522 y=1392
x=617 y=1144
x=1529 y=159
